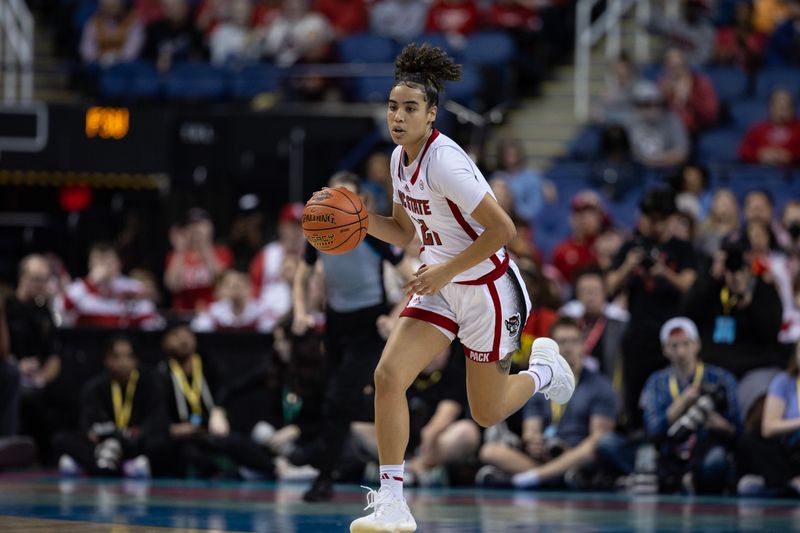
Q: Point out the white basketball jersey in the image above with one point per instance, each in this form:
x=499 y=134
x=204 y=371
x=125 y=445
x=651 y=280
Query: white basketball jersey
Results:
x=439 y=190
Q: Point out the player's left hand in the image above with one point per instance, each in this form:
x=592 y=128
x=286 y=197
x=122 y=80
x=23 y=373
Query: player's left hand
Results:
x=429 y=280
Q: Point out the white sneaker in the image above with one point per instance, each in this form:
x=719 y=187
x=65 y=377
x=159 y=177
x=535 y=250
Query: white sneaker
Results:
x=67 y=466
x=391 y=514
x=562 y=384
x=137 y=468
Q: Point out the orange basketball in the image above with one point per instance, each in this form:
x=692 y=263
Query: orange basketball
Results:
x=334 y=220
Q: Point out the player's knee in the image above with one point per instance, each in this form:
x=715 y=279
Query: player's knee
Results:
x=386 y=379
x=489 y=452
x=486 y=416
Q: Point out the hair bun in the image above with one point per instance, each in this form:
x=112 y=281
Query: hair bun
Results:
x=427 y=62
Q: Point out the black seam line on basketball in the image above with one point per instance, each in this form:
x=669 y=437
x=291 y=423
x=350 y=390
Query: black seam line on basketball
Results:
x=333 y=207
x=358 y=211
x=344 y=241
x=333 y=227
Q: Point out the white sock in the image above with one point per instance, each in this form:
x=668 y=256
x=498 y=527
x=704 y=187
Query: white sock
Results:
x=392 y=478
x=540 y=374
x=529 y=478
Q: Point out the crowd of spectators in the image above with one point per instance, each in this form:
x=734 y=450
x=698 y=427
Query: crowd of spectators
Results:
x=668 y=398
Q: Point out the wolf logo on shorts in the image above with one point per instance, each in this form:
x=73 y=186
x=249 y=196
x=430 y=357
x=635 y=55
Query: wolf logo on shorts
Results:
x=512 y=325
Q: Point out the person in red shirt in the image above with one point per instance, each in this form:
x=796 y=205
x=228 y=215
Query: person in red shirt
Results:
x=194 y=262
x=105 y=297
x=740 y=44
x=460 y=17
x=775 y=141
x=587 y=220
x=346 y=16
x=689 y=94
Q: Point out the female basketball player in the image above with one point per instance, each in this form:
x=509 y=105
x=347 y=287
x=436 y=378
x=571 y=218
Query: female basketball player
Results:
x=468 y=286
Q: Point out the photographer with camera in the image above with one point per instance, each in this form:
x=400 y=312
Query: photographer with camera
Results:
x=738 y=312
x=654 y=270
x=690 y=411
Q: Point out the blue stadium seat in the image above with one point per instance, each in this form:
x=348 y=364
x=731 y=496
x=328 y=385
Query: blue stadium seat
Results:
x=586 y=144
x=774 y=78
x=373 y=88
x=367 y=48
x=489 y=48
x=730 y=83
x=719 y=146
x=196 y=81
x=254 y=80
x=747 y=112
x=467 y=88
x=650 y=72
x=138 y=79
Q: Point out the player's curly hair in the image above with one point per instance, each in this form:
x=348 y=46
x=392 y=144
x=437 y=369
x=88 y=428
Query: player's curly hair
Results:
x=425 y=67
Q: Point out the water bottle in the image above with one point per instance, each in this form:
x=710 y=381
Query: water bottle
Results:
x=645 y=477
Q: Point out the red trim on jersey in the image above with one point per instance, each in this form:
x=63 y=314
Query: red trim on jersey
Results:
x=434 y=134
x=498 y=318
x=470 y=230
x=431 y=317
x=494 y=275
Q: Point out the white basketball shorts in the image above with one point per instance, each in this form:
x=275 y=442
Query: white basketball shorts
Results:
x=488 y=318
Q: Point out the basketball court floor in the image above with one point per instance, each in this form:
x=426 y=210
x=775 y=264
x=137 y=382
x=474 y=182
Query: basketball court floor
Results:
x=36 y=503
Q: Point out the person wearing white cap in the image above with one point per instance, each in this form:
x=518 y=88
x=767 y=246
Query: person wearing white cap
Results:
x=695 y=435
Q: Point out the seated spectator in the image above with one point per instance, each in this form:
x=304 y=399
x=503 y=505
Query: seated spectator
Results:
x=123 y=426
x=691 y=185
x=771 y=458
x=345 y=16
x=528 y=188
x=556 y=439
x=235 y=308
x=105 y=297
x=689 y=94
x=234 y=41
x=769 y=260
x=693 y=34
x=658 y=137
x=614 y=170
x=114 y=34
x=442 y=432
x=174 y=38
x=655 y=270
x=457 y=18
x=691 y=410
x=741 y=44
x=775 y=141
x=45 y=406
x=738 y=312
x=272 y=269
x=616 y=103
x=788 y=233
x=194 y=261
x=587 y=218
x=293 y=383
x=298 y=34
x=199 y=428
x=721 y=223
x=784 y=44
x=14 y=451
x=602 y=324
x=401 y=20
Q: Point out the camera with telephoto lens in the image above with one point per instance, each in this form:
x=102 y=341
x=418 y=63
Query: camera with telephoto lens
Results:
x=712 y=398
